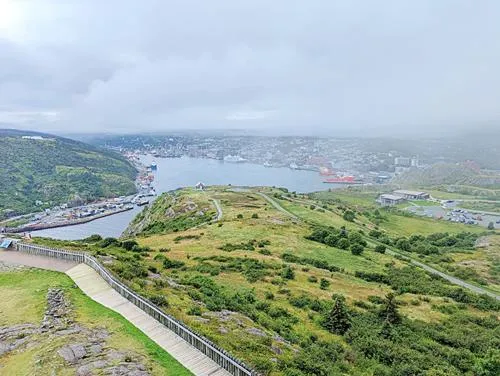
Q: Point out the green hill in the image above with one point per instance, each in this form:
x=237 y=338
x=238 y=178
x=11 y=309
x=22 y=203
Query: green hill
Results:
x=53 y=170
x=308 y=285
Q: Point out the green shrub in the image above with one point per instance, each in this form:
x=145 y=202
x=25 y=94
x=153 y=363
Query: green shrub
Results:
x=312 y=279
x=172 y=264
x=324 y=284
x=357 y=249
x=288 y=273
x=194 y=311
x=129 y=244
x=159 y=300
x=269 y=295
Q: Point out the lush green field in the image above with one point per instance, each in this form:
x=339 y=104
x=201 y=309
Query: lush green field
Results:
x=24 y=301
x=265 y=284
x=56 y=170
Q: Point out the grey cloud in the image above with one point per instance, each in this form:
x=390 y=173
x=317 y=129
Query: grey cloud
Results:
x=307 y=66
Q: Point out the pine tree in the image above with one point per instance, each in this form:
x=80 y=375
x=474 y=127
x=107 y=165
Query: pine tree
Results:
x=338 y=320
x=389 y=311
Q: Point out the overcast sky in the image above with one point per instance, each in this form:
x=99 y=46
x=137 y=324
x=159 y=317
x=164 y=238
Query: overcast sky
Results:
x=330 y=67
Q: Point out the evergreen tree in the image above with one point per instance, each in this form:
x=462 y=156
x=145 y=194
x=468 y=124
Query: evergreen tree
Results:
x=338 y=320
x=389 y=311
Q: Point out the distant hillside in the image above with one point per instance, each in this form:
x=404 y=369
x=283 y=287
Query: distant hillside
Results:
x=40 y=167
x=449 y=174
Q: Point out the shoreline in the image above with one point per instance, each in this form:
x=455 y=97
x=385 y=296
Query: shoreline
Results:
x=45 y=226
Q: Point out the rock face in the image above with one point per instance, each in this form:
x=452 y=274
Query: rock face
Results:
x=86 y=351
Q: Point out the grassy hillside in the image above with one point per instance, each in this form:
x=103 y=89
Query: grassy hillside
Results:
x=108 y=339
x=56 y=170
x=298 y=285
x=458 y=175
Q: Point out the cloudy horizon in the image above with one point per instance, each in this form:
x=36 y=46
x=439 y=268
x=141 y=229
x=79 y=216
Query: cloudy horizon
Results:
x=301 y=67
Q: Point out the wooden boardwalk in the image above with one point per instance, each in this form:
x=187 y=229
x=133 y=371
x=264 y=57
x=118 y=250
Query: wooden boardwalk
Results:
x=96 y=288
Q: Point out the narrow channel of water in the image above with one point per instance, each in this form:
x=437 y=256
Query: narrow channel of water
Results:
x=174 y=173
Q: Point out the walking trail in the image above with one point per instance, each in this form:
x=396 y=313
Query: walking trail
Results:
x=98 y=290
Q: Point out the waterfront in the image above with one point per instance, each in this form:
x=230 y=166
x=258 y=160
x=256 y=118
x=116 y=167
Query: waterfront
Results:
x=173 y=173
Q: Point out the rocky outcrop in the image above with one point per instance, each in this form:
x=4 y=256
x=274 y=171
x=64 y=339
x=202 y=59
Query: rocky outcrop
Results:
x=85 y=350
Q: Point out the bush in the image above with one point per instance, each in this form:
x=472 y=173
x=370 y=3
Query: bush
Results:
x=288 y=273
x=312 y=279
x=269 y=295
x=93 y=238
x=172 y=264
x=324 y=284
x=343 y=243
x=107 y=242
x=239 y=216
x=159 y=300
x=300 y=301
x=163 y=250
x=357 y=249
x=255 y=216
x=380 y=248
x=491 y=226
x=129 y=244
x=194 y=311
x=349 y=216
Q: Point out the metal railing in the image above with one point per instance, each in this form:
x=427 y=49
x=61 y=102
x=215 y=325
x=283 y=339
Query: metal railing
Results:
x=212 y=351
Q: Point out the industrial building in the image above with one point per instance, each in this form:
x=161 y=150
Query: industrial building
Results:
x=411 y=195
x=390 y=200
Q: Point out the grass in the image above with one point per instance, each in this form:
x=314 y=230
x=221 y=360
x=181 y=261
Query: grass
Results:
x=24 y=301
x=249 y=219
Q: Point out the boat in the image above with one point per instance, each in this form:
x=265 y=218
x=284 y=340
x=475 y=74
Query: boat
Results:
x=293 y=166
x=342 y=180
x=234 y=159
x=154 y=166
x=142 y=202
x=325 y=171
x=267 y=164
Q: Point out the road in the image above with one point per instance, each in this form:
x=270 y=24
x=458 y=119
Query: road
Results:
x=430 y=269
x=277 y=206
x=219 y=209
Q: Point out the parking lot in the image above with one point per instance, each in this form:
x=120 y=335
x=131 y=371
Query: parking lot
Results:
x=456 y=215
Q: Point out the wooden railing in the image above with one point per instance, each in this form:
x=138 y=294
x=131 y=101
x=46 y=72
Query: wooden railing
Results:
x=218 y=355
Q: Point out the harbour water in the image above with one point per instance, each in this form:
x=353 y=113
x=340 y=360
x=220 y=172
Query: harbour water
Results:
x=173 y=173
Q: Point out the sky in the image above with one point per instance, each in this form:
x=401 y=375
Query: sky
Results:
x=351 y=67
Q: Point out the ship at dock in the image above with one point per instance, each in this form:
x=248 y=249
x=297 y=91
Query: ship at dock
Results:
x=234 y=159
x=348 y=179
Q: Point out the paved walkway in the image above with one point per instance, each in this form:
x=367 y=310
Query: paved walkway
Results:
x=48 y=263
x=95 y=287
